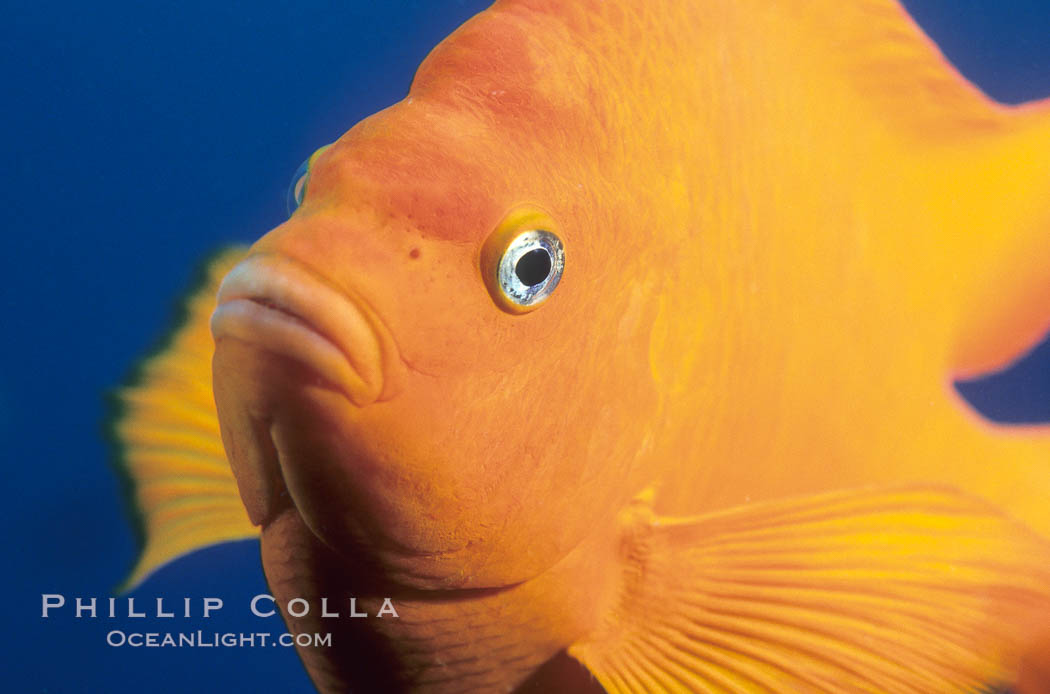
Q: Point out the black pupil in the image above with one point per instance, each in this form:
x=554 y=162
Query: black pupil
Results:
x=533 y=267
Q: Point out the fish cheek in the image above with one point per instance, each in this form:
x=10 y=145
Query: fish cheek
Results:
x=346 y=479
x=478 y=462
x=554 y=443
x=462 y=482
x=398 y=486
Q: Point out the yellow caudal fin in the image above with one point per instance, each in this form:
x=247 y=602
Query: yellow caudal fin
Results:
x=891 y=590
x=167 y=434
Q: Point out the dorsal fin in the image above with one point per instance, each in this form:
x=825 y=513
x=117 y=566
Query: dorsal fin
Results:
x=891 y=61
x=988 y=180
x=169 y=449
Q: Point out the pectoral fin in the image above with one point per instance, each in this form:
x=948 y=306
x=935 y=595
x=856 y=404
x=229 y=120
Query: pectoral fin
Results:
x=167 y=432
x=913 y=590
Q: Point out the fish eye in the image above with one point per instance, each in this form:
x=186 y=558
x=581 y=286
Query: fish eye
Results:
x=531 y=267
x=523 y=261
x=297 y=188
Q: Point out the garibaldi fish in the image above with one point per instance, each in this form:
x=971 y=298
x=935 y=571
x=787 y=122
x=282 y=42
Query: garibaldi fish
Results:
x=621 y=350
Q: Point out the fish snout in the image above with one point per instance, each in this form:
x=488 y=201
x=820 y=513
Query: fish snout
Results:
x=282 y=306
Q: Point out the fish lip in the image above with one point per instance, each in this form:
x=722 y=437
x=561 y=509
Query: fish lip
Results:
x=284 y=306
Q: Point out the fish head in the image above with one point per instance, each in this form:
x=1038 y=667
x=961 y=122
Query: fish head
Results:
x=440 y=360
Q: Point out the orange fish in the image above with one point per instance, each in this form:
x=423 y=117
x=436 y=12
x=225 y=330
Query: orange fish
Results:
x=629 y=335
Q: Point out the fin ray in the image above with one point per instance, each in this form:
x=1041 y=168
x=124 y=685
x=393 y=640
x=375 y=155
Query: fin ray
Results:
x=169 y=447
x=876 y=590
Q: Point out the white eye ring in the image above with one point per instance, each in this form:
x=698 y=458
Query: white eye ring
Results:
x=531 y=267
x=301 y=179
x=297 y=188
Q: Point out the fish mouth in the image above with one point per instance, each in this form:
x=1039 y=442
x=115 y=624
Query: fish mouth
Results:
x=283 y=306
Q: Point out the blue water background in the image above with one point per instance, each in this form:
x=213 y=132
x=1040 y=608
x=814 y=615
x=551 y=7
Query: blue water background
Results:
x=138 y=137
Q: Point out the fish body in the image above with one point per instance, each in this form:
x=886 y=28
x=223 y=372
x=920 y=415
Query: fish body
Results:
x=715 y=443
